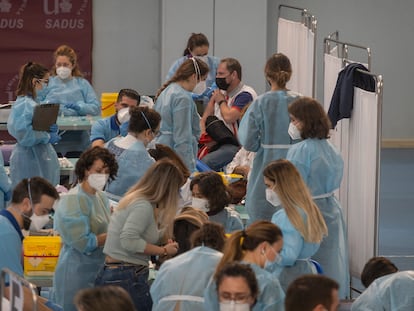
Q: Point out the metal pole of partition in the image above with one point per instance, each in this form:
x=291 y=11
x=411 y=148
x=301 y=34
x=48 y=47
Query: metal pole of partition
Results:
x=380 y=85
x=314 y=28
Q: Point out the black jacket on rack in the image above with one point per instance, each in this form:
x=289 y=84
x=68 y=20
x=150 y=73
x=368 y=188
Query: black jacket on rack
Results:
x=342 y=101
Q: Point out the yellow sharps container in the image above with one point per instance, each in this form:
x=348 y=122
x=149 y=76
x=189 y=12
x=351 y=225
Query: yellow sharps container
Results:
x=108 y=101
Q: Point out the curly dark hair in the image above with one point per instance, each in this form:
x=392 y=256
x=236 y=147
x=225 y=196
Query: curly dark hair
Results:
x=212 y=187
x=315 y=122
x=89 y=156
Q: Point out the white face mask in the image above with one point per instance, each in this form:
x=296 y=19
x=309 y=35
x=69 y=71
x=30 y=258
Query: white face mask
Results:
x=98 y=181
x=272 y=197
x=293 y=131
x=200 y=87
x=204 y=58
x=233 y=306
x=63 y=72
x=123 y=115
x=200 y=203
x=271 y=266
x=38 y=222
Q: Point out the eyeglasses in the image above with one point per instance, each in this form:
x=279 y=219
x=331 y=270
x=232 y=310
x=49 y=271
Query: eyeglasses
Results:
x=45 y=81
x=156 y=133
x=236 y=298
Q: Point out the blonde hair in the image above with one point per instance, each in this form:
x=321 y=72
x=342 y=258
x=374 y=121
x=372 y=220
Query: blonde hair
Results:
x=296 y=197
x=160 y=185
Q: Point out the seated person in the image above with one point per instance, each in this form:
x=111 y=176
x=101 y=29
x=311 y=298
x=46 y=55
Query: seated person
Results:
x=181 y=281
x=227 y=104
x=130 y=151
x=105 y=129
x=189 y=220
x=104 y=298
x=312 y=293
x=241 y=163
x=76 y=97
x=211 y=196
x=237 y=286
x=34 y=196
x=387 y=288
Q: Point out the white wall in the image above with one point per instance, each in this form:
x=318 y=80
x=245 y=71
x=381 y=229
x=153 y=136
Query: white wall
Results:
x=127 y=43
x=235 y=28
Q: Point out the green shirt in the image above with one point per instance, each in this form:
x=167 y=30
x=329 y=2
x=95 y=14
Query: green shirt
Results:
x=129 y=231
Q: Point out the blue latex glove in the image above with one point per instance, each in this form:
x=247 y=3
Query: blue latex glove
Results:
x=7 y=196
x=54 y=138
x=73 y=106
x=206 y=94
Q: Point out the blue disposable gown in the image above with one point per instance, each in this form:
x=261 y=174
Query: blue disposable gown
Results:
x=321 y=167
x=33 y=155
x=229 y=218
x=212 y=63
x=79 y=219
x=392 y=292
x=264 y=130
x=181 y=281
x=132 y=165
x=78 y=91
x=295 y=253
x=104 y=129
x=180 y=123
x=11 y=243
x=271 y=295
x=5 y=185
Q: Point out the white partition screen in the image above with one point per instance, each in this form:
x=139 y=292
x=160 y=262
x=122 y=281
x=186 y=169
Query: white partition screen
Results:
x=339 y=135
x=300 y=52
x=362 y=179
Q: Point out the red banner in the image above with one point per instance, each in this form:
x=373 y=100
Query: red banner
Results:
x=32 y=30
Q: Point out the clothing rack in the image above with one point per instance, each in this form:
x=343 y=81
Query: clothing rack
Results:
x=359 y=141
x=344 y=51
x=309 y=21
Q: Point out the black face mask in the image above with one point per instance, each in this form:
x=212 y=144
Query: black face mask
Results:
x=26 y=222
x=222 y=84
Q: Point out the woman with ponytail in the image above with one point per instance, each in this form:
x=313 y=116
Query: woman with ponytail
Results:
x=33 y=154
x=299 y=219
x=258 y=246
x=264 y=130
x=180 y=121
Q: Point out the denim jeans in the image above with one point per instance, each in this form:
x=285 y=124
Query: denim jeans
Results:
x=219 y=158
x=134 y=279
